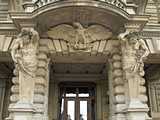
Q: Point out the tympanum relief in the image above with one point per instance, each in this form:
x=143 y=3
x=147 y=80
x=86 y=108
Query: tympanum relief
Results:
x=78 y=37
x=24 y=55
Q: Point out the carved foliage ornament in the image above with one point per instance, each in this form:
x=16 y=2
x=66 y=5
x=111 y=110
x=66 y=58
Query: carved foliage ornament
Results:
x=78 y=37
x=24 y=51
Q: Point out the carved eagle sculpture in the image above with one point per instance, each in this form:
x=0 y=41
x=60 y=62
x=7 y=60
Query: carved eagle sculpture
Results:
x=77 y=36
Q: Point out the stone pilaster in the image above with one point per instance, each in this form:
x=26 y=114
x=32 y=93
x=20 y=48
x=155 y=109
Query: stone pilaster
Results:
x=134 y=51
x=14 y=98
x=42 y=84
x=117 y=85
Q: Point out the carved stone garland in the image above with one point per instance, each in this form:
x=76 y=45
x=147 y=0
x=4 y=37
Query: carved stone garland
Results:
x=118 y=84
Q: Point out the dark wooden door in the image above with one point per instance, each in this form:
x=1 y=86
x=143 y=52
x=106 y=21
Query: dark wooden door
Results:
x=77 y=103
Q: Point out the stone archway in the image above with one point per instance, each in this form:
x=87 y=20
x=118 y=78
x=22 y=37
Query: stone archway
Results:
x=64 y=42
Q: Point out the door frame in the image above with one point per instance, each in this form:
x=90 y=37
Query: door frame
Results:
x=77 y=98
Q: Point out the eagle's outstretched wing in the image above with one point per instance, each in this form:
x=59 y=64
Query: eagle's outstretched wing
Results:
x=97 y=32
x=63 y=32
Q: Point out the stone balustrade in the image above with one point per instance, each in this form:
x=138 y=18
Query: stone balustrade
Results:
x=117 y=3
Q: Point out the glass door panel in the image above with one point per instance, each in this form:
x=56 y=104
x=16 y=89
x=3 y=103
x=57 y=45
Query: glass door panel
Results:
x=84 y=95
x=83 y=110
x=62 y=106
x=70 y=110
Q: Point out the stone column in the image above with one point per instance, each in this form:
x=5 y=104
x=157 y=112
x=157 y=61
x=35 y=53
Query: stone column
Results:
x=116 y=85
x=24 y=54
x=134 y=51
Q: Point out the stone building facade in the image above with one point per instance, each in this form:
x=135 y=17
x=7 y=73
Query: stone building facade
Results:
x=79 y=59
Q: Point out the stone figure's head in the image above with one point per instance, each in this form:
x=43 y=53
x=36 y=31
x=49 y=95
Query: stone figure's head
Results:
x=132 y=37
x=25 y=32
x=26 y=35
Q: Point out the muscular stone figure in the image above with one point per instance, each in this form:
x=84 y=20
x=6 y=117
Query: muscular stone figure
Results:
x=134 y=51
x=24 y=54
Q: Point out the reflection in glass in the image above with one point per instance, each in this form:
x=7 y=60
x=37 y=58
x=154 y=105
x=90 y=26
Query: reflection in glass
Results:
x=71 y=110
x=70 y=95
x=62 y=109
x=62 y=105
x=83 y=110
x=84 y=95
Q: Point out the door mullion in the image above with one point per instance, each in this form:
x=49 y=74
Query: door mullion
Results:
x=65 y=108
x=77 y=105
x=78 y=109
x=89 y=109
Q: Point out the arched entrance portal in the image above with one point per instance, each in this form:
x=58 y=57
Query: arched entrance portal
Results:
x=78 y=73
x=73 y=53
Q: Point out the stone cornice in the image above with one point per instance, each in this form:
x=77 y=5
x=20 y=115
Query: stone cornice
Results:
x=136 y=23
x=150 y=34
x=8 y=28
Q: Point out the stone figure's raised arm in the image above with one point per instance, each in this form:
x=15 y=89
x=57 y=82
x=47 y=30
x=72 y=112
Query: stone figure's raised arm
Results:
x=34 y=36
x=14 y=49
x=145 y=48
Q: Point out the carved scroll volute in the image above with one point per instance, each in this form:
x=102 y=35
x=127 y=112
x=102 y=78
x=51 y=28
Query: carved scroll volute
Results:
x=24 y=54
